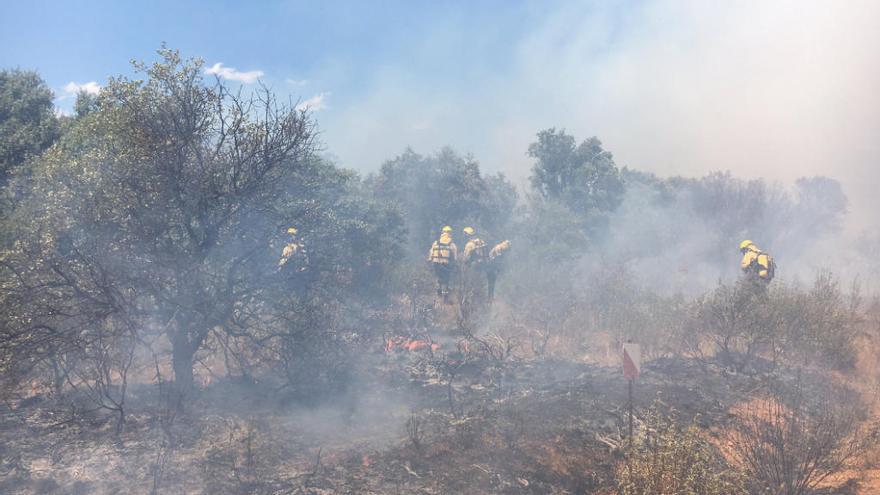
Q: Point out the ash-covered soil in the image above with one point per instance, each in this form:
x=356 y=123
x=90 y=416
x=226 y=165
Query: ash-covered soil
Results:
x=415 y=423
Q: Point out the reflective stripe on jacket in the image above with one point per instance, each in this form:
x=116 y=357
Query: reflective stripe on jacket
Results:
x=443 y=250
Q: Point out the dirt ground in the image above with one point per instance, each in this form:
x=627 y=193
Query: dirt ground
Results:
x=418 y=422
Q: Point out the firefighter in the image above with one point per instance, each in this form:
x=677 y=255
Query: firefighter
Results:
x=494 y=264
x=476 y=255
x=475 y=250
x=442 y=256
x=756 y=264
x=294 y=249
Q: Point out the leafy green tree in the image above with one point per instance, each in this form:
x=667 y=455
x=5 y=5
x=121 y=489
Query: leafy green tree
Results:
x=166 y=208
x=583 y=177
x=27 y=120
x=85 y=104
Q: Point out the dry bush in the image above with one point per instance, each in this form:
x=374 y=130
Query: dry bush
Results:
x=735 y=319
x=789 y=445
x=574 y=307
x=676 y=461
x=415 y=431
x=239 y=457
x=744 y=321
x=628 y=311
x=471 y=298
x=544 y=305
x=821 y=323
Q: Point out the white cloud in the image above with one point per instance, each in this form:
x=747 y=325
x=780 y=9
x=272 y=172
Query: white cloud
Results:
x=72 y=89
x=233 y=74
x=315 y=103
x=297 y=82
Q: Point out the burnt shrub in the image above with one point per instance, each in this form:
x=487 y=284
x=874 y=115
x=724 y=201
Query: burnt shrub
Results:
x=789 y=441
x=676 y=460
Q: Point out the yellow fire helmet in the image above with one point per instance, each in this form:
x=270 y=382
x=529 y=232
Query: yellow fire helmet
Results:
x=469 y=230
x=745 y=244
x=446 y=229
x=291 y=231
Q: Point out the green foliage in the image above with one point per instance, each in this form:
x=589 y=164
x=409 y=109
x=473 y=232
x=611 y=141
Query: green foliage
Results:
x=582 y=177
x=27 y=120
x=85 y=104
x=166 y=206
x=676 y=461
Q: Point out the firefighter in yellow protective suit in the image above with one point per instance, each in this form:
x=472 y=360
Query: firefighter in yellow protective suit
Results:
x=494 y=264
x=476 y=255
x=756 y=264
x=442 y=256
x=475 y=250
x=294 y=249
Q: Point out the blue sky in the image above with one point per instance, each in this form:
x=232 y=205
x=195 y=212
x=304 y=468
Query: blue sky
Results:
x=779 y=89
x=332 y=46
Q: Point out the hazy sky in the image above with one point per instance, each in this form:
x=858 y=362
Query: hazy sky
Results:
x=773 y=89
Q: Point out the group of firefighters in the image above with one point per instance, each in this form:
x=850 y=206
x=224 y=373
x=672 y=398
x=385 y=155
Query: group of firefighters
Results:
x=757 y=266
x=445 y=259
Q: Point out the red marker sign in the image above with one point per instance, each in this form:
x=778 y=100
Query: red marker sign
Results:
x=632 y=361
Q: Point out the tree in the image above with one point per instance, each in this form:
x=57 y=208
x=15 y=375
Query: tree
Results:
x=27 y=120
x=823 y=205
x=711 y=215
x=441 y=189
x=166 y=207
x=583 y=177
x=85 y=104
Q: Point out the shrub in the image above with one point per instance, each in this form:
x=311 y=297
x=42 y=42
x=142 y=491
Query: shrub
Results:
x=789 y=444
x=676 y=461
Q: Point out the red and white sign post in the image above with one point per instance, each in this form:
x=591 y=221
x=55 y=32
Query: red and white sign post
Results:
x=632 y=366
x=632 y=361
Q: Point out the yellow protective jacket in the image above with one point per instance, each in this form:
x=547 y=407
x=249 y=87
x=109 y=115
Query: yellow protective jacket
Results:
x=443 y=251
x=499 y=249
x=474 y=251
x=289 y=250
x=756 y=261
x=294 y=250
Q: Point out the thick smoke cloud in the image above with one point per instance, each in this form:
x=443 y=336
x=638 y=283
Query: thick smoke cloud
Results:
x=764 y=89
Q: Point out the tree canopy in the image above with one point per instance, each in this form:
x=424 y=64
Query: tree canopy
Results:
x=27 y=120
x=167 y=206
x=582 y=176
x=445 y=188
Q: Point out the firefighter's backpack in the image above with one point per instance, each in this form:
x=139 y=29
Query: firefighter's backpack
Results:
x=766 y=263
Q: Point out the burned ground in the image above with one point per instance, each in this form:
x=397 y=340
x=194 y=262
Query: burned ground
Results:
x=538 y=426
